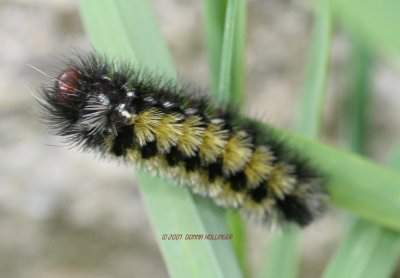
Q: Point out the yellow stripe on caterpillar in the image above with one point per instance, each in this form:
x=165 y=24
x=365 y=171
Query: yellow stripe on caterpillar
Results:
x=259 y=166
x=237 y=153
x=214 y=141
x=192 y=136
x=169 y=131
x=146 y=124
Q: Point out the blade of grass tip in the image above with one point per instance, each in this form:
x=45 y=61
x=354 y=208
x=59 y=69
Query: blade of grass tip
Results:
x=215 y=18
x=283 y=252
x=172 y=210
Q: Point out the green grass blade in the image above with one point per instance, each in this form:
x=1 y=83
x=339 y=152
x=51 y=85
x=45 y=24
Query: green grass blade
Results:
x=282 y=257
x=215 y=21
x=394 y=159
x=283 y=253
x=131 y=33
x=183 y=213
x=122 y=37
x=239 y=51
x=309 y=123
x=368 y=250
x=354 y=183
x=233 y=51
x=237 y=227
x=355 y=113
x=224 y=84
x=376 y=21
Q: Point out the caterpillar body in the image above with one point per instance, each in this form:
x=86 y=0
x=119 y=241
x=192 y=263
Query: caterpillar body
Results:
x=120 y=112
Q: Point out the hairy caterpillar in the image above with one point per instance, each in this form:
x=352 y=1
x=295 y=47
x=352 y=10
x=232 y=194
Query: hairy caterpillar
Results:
x=117 y=111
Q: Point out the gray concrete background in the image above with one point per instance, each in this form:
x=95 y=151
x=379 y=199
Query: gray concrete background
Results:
x=65 y=214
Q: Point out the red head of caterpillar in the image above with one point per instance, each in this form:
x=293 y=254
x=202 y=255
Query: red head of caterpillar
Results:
x=86 y=104
x=67 y=83
x=120 y=112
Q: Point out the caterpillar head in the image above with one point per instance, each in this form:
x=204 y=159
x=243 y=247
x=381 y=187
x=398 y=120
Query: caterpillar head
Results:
x=87 y=101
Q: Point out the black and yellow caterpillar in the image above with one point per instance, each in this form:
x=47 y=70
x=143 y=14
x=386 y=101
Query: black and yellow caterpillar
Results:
x=117 y=111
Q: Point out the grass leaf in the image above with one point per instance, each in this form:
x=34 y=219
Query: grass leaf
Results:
x=227 y=51
x=376 y=21
x=310 y=115
x=356 y=106
x=283 y=254
x=225 y=39
x=368 y=250
x=355 y=183
x=131 y=33
x=214 y=20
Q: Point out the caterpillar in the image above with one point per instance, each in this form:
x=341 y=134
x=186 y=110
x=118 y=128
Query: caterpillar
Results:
x=117 y=111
